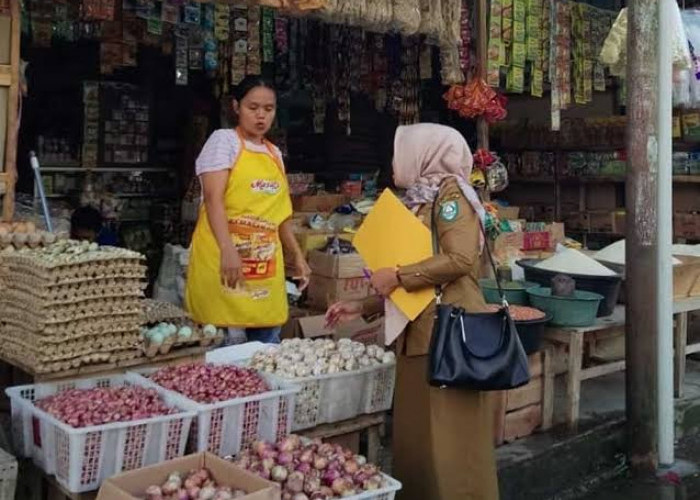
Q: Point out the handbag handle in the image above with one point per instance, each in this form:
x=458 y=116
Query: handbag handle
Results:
x=436 y=251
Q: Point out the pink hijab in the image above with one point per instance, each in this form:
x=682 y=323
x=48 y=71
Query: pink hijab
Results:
x=426 y=154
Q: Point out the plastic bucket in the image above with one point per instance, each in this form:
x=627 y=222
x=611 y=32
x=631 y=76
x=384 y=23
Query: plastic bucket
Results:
x=607 y=286
x=579 y=310
x=515 y=291
x=531 y=333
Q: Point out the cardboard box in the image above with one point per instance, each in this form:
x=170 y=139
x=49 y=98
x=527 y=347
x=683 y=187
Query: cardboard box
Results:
x=292 y=328
x=319 y=202
x=336 y=266
x=533 y=240
x=323 y=291
x=132 y=485
x=359 y=330
x=686 y=225
x=313 y=240
x=508 y=213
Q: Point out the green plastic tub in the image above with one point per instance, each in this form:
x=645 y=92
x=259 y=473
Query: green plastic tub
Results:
x=515 y=291
x=579 y=310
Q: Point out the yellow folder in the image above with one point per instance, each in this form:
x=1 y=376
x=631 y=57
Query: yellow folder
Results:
x=392 y=236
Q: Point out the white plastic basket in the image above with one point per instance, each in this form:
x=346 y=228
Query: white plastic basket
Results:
x=386 y=493
x=325 y=399
x=81 y=458
x=227 y=427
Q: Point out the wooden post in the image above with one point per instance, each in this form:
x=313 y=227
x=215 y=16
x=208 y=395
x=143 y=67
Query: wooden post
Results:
x=10 y=167
x=482 y=47
x=642 y=242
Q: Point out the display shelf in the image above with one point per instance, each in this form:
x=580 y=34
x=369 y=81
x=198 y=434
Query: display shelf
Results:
x=101 y=170
x=679 y=179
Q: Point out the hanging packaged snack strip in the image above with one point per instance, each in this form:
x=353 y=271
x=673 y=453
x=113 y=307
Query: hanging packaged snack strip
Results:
x=239 y=58
x=254 y=56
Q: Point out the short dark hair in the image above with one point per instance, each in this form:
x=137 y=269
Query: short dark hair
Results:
x=249 y=83
x=86 y=217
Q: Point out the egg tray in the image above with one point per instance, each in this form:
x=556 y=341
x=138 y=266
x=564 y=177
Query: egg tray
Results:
x=70 y=312
x=158 y=311
x=72 y=278
x=107 y=341
x=82 y=328
x=83 y=355
x=67 y=351
x=79 y=293
x=43 y=283
x=49 y=257
x=42 y=267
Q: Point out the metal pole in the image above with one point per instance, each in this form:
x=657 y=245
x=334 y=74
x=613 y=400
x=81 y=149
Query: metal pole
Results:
x=664 y=214
x=34 y=162
x=641 y=278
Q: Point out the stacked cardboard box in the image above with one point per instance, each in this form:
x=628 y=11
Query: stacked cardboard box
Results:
x=335 y=278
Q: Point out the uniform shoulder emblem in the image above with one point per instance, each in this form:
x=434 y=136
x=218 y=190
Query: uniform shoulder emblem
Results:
x=449 y=210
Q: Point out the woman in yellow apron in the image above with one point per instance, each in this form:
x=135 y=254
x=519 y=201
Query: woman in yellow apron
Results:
x=236 y=272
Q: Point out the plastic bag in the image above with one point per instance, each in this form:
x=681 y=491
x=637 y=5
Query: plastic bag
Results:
x=451 y=72
x=406 y=16
x=431 y=22
x=451 y=29
x=351 y=12
x=378 y=15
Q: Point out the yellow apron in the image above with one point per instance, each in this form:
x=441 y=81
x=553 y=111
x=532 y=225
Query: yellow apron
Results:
x=257 y=201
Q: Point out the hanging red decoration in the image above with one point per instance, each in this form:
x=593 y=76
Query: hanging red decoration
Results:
x=475 y=99
x=483 y=158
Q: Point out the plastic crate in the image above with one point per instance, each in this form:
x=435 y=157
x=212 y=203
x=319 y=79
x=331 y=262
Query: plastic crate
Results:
x=8 y=475
x=227 y=427
x=326 y=399
x=81 y=458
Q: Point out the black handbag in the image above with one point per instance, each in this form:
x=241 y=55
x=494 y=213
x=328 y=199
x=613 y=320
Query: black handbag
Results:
x=480 y=351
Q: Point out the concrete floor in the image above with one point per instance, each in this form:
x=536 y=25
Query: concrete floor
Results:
x=561 y=464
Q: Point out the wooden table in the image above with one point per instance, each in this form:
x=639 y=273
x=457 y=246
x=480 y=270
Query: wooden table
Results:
x=573 y=338
x=681 y=308
x=612 y=326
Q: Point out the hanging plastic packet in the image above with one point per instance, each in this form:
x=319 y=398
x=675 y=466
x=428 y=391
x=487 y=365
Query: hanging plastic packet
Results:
x=170 y=12
x=222 y=20
x=181 y=58
x=268 y=40
x=254 y=56
x=193 y=13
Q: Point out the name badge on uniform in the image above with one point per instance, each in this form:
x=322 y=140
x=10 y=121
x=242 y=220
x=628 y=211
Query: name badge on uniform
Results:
x=449 y=211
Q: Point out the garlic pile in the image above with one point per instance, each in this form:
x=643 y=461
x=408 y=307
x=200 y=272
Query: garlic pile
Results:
x=301 y=358
x=70 y=304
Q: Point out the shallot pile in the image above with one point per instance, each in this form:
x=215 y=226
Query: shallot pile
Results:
x=299 y=358
x=206 y=383
x=312 y=470
x=196 y=485
x=104 y=405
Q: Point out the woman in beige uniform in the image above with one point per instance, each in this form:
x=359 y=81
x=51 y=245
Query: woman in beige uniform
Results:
x=443 y=438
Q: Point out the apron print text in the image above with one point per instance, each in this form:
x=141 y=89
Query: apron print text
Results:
x=265 y=186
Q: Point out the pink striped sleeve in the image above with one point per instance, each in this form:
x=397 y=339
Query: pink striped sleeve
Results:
x=219 y=152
